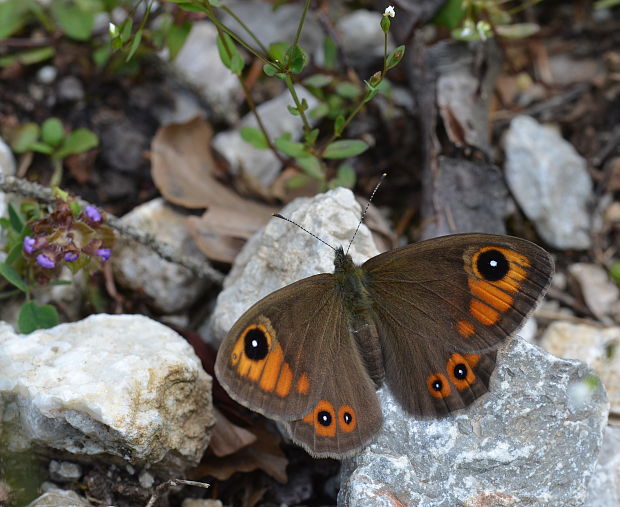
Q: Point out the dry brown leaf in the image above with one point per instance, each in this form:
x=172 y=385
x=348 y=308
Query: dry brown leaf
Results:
x=264 y=454
x=182 y=168
x=221 y=232
x=228 y=438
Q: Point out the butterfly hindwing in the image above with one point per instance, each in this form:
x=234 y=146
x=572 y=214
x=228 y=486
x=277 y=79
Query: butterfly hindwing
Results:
x=442 y=306
x=294 y=351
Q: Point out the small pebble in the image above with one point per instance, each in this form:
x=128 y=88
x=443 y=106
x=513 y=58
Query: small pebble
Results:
x=64 y=471
x=146 y=480
x=47 y=74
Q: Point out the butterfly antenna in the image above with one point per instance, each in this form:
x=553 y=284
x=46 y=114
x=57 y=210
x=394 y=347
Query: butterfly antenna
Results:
x=366 y=209
x=277 y=215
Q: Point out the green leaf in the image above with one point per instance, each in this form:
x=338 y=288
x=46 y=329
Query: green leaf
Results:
x=277 y=51
x=255 y=137
x=291 y=148
x=215 y=3
x=72 y=20
x=293 y=110
x=319 y=111
x=318 y=80
x=345 y=177
x=176 y=37
x=13 y=16
x=395 y=57
x=190 y=7
x=24 y=136
x=347 y=90
x=125 y=30
x=17 y=220
x=298 y=181
x=135 y=44
x=33 y=316
x=12 y=276
x=297 y=59
x=9 y=294
x=270 y=70
x=52 y=131
x=339 y=124
x=229 y=54
x=15 y=252
x=311 y=166
x=41 y=147
x=345 y=148
x=330 y=52
x=311 y=137
x=614 y=271
x=37 y=55
x=78 y=141
x=450 y=15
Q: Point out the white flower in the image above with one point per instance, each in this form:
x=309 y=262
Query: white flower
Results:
x=112 y=29
x=389 y=11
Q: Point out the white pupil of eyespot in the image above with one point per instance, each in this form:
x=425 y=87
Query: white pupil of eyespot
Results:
x=493 y=264
x=254 y=343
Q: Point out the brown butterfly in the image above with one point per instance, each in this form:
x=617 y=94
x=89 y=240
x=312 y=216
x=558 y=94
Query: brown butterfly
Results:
x=426 y=319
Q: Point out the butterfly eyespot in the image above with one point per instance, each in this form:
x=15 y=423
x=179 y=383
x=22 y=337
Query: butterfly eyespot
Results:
x=461 y=374
x=438 y=385
x=460 y=371
x=346 y=418
x=256 y=344
x=492 y=265
x=324 y=418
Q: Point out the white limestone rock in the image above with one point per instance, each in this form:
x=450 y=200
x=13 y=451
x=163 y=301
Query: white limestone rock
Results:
x=550 y=181
x=281 y=253
x=171 y=287
x=199 y=62
x=604 y=490
x=119 y=388
x=7 y=168
x=60 y=498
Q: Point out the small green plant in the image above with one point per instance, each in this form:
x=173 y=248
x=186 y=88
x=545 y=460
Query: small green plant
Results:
x=50 y=139
x=40 y=241
x=318 y=154
x=483 y=19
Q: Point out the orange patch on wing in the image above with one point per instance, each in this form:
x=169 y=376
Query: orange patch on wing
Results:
x=303 y=384
x=465 y=328
x=472 y=359
x=343 y=412
x=273 y=363
x=483 y=313
x=445 y=385
x=508 y=284
x=285 y=381
x=459 y=360
x=490 y=294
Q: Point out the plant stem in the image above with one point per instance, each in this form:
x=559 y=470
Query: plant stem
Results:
x=57 y=174
x=301 y=22
x=246 y=28
x=261 y=125
x=293 y=92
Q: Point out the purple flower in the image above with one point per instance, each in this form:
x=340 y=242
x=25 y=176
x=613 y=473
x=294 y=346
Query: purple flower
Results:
x=104 y=253
x=28 y=244
x=45 y=262
x=71 y=256
x=92 y=213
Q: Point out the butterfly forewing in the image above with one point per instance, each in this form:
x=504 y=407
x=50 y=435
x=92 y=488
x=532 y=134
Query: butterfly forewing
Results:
x=442 y=306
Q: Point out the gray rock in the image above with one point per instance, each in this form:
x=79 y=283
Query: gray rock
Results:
x=64 y=471
x=271 y=25
x=70 y=89
x=170 y=287
x=604 y=489
x=60 y=498
x=599 y=292
x=121 y=388
x=530 y=441
x=262 y=165
x=361 y=36
x=7 y=168
x=281 y=253
x=199 y=62
x=550 y=181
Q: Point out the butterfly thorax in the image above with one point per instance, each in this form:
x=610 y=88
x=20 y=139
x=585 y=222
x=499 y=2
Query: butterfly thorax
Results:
x=351 y=281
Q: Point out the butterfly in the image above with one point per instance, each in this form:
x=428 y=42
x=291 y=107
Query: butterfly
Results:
x=426 y=319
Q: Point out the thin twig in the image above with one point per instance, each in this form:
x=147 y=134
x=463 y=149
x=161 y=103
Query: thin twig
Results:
x=165 y=486
x=25 y=188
